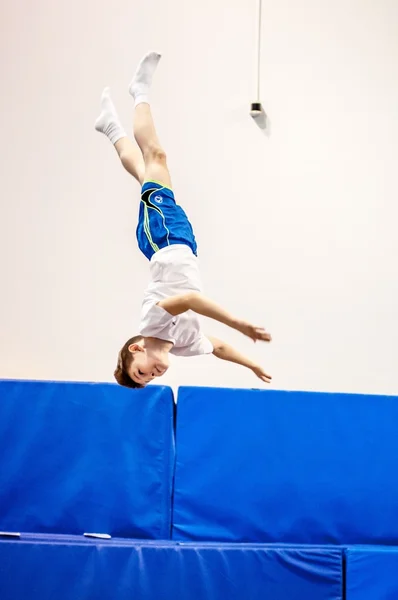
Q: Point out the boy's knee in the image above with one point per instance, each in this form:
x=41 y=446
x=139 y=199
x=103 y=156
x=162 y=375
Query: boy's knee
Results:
x=155 y=153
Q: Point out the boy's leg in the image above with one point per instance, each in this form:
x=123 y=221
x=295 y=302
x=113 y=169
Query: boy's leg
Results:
x=144 y=128
x=108 y=123
x=161 y=222
x=131 y=158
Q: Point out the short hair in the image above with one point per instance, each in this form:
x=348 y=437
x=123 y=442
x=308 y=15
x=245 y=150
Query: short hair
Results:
x=124 y=361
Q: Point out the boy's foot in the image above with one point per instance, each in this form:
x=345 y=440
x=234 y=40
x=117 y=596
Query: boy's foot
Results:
x=142 y=80
x=108 y=121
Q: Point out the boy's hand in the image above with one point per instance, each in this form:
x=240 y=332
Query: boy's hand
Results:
x=261 y=374
x=253 y=332
x=226 y=352
x=176 y=305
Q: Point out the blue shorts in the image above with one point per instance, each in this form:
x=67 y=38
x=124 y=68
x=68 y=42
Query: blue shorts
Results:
x=161 y=221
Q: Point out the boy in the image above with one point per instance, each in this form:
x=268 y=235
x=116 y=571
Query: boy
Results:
x=173 y=300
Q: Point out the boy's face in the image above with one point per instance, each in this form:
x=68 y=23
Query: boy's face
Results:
x=146 y=366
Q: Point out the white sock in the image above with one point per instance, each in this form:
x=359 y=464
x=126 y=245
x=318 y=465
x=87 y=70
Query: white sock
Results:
x=108 y=121
x=141 y=83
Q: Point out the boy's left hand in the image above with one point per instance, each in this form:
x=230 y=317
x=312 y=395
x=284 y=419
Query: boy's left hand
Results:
x=253 y=332
x=261 y=374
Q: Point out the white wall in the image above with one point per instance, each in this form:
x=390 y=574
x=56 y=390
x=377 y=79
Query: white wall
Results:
x=297 y=231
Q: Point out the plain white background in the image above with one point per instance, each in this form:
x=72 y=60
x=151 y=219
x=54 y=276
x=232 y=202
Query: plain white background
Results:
x=297 y=230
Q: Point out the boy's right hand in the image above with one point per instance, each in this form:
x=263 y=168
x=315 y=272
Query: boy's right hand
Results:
x=261 y=374
x=253 y=332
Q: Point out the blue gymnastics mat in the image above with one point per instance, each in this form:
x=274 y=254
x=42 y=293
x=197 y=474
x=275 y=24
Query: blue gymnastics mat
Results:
x=295 y=467
x=78 y=457
x=48 y=567
x=372 y=573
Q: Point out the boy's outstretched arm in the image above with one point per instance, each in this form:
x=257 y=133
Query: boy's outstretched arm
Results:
x=227 y=352
x=175 y=305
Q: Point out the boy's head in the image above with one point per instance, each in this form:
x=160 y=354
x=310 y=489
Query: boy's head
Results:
x=139 y=362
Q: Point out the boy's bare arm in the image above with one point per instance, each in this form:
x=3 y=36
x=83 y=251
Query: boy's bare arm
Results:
x=227 y=352
x=175 y=305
